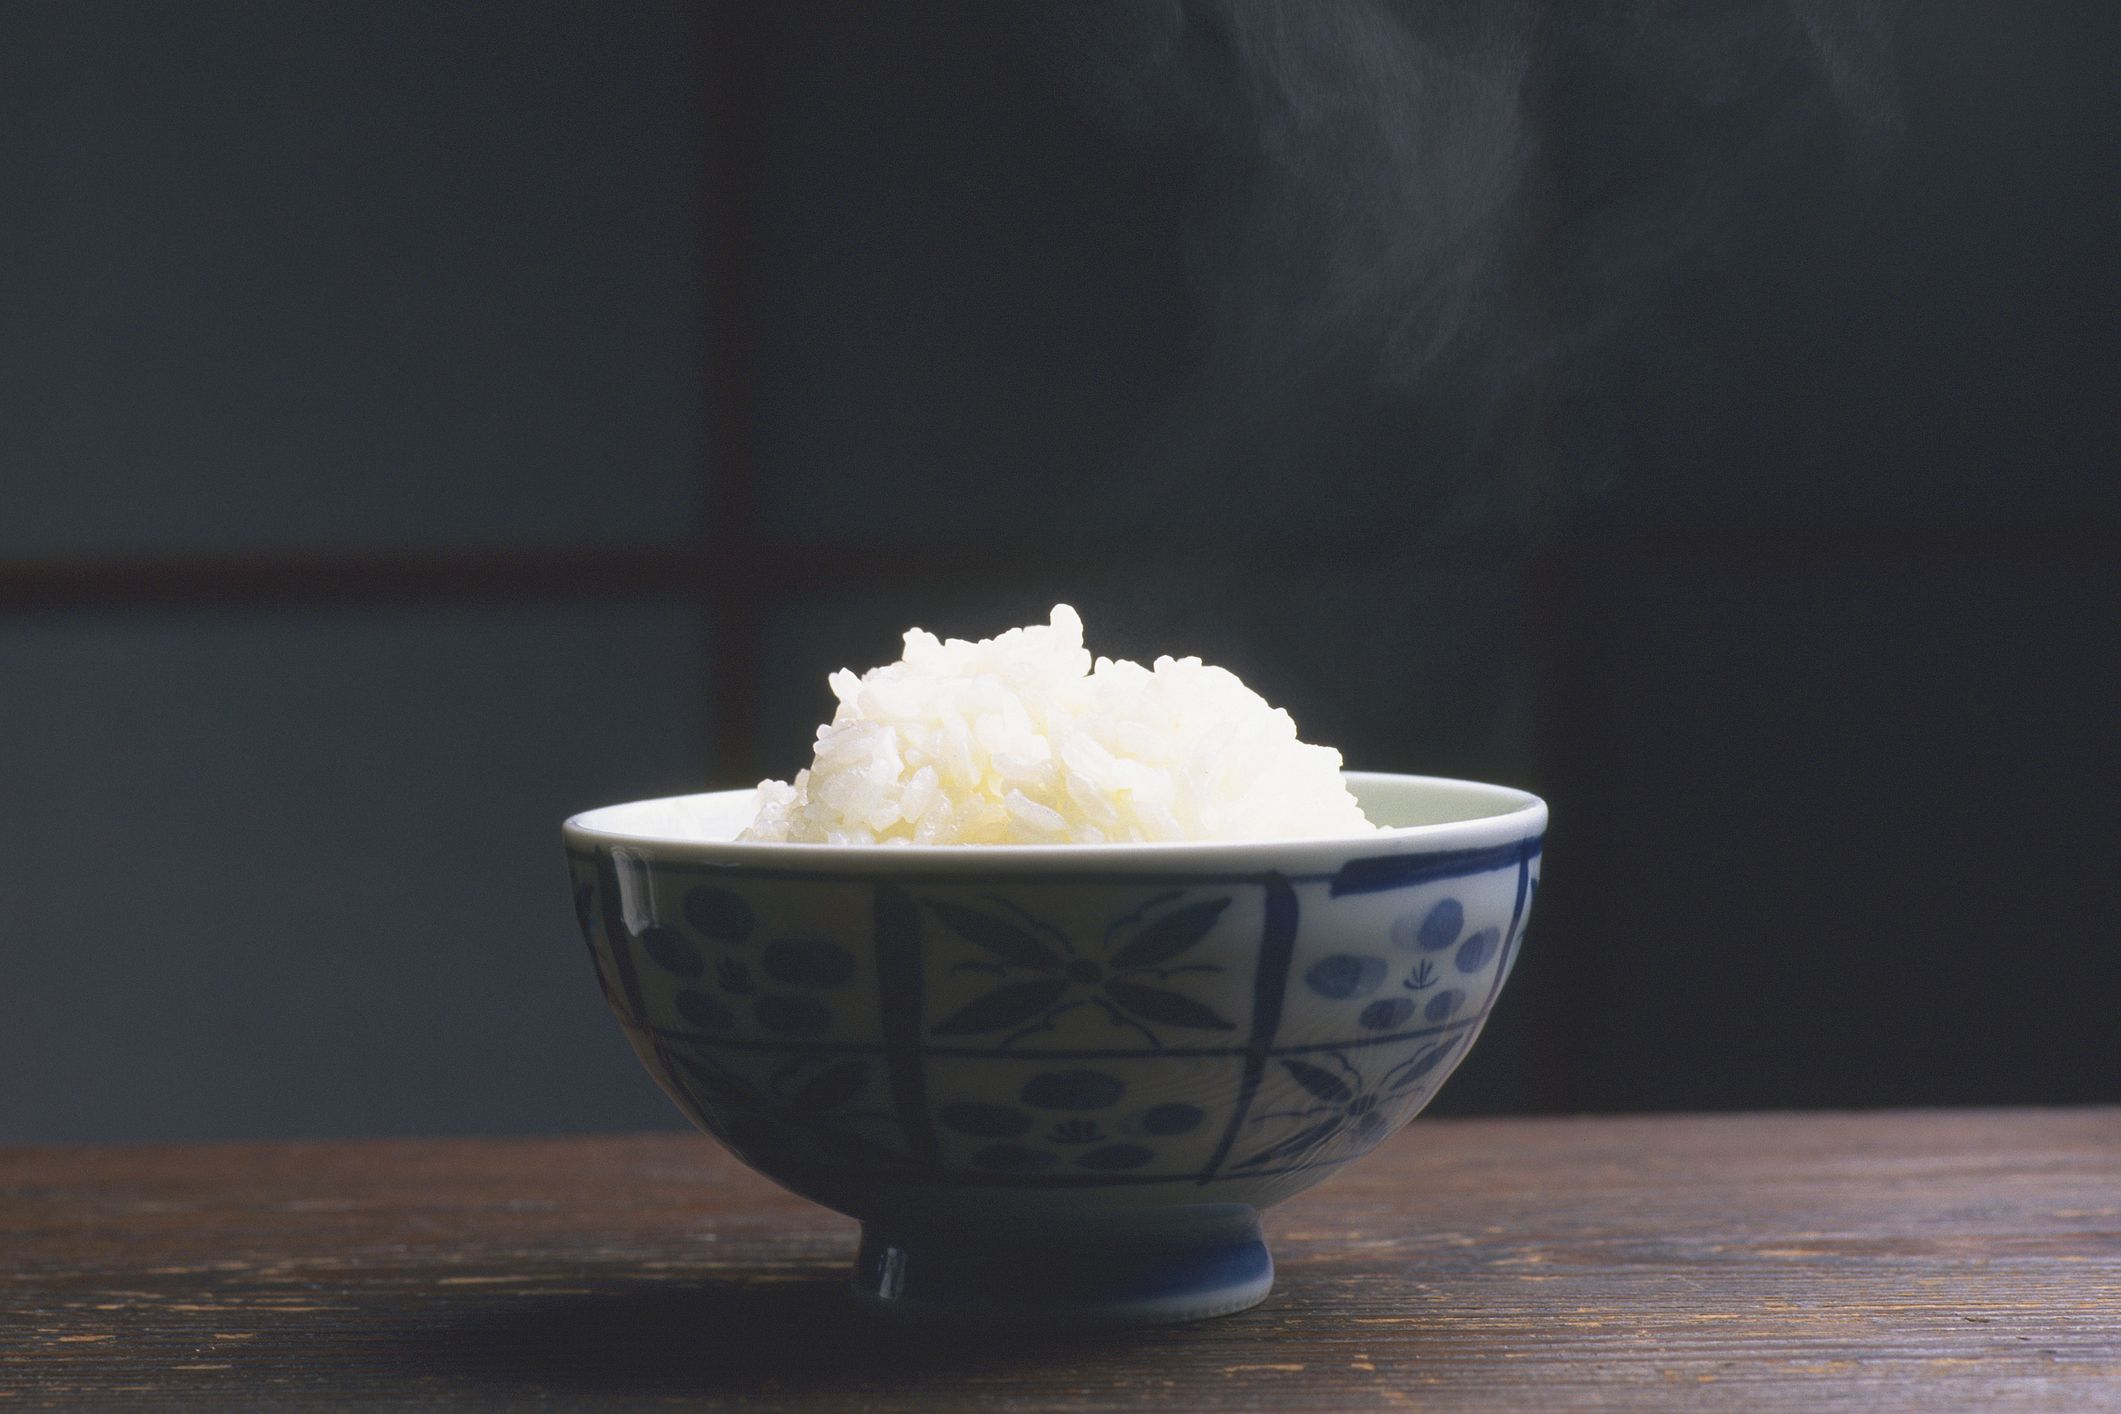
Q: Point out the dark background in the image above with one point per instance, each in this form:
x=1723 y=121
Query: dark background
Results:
x=419 y=422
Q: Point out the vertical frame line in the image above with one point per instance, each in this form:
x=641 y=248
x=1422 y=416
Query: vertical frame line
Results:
x=1277 y=949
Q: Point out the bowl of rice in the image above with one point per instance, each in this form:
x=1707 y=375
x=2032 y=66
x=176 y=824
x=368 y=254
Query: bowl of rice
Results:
x=1054 y=971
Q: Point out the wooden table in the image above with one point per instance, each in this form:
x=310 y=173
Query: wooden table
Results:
x=1945 y=1260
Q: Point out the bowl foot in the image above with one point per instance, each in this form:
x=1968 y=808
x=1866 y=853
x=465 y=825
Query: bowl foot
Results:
x=1181 y=1264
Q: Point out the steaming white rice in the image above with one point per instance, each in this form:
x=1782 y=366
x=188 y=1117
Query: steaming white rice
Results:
x=1021 y=739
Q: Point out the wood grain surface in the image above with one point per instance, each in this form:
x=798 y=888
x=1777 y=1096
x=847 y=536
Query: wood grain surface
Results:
x=1935 y=1261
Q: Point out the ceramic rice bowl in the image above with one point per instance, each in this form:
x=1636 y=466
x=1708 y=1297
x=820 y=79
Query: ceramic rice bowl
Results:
x=1056 y=1084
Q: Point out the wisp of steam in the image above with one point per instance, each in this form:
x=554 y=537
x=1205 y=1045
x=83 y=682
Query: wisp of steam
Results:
x=1413 y=230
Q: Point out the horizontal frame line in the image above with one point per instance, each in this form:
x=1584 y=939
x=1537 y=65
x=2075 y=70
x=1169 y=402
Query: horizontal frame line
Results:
x=722 y=563
x=386 y=577
x=717 y=565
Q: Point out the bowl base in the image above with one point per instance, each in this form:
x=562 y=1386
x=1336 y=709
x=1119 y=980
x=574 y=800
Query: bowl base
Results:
x=1182 y=1264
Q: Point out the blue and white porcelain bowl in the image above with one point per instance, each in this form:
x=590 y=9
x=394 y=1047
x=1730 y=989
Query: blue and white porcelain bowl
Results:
x=1057 y=1083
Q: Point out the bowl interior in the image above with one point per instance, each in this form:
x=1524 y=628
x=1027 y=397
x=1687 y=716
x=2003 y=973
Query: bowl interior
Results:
x=1406 y=805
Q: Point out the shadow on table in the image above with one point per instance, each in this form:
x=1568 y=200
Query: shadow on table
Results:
x=763 y=1330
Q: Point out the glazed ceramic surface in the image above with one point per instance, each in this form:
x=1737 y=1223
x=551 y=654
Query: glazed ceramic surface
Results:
x=1058 y=1050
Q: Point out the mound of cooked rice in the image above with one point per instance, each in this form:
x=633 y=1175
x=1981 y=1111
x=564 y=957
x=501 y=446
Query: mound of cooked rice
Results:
x=1022 y=739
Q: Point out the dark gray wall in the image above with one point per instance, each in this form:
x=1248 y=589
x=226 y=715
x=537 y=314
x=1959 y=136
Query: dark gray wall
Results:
x=348 y=275
x=360 y=277
x=291 y=872
x=1705 y=419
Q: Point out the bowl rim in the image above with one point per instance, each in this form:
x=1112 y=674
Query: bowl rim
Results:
x=1519 y=815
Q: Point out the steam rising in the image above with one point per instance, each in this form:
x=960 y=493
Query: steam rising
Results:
x=1433 y=218
x=1358 y=174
